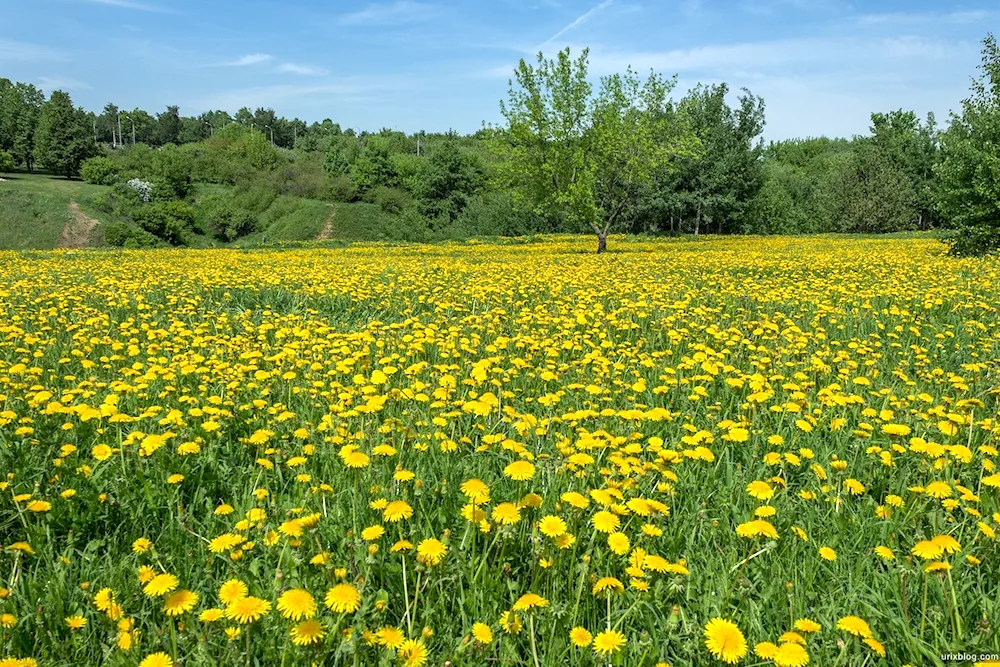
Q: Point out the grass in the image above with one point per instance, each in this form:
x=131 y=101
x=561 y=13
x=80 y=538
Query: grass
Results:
x=34 y=209
x=677 y=431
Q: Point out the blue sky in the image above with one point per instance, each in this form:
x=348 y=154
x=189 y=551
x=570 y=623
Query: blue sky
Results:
x=822 y=66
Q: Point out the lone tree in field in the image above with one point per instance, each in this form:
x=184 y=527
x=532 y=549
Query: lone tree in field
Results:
x=581 y=160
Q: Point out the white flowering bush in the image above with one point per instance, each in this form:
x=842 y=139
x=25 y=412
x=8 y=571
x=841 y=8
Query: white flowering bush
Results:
x=142 y=188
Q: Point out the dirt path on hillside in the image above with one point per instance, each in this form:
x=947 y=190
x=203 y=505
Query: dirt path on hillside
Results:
x=327 y=230
x=76 y=233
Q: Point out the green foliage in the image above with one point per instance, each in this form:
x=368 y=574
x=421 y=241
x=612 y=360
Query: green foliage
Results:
x=99 y=171
x=254 y=150
x=6 y=162
x=373 y=167
x=390 y=200
x=450 y=177
x=495 y=214
x=342 y=189
x=341 y=155
x=969 y=172
x=577 y=159
x=226 y=219
x=63 y=140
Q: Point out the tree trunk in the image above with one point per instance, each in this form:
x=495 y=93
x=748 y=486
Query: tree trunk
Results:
x=602 y=242
x=697 y=221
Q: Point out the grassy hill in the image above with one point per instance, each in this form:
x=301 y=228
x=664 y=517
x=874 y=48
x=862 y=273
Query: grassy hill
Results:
x=42 y=211
x=39 y=211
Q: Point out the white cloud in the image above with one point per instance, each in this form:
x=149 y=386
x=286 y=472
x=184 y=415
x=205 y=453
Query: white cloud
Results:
x=50 y=83
x=896 y=19
x=400 y=11
x=249 y=59
x=302 y=70
x=579 y=21
x=274 y=96
x=129 y=4
x=23 y=52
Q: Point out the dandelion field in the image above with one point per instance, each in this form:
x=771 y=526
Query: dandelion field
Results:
x=764 y=451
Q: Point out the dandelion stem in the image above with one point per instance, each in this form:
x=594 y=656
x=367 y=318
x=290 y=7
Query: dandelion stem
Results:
x=534 y=649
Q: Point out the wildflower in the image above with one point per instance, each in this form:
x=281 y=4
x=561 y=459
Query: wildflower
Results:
x=580 y=637
x=247 y=610
x=343 y=598
x=308 y=632
x=608 y=642
x=725 y=641
x=482 y=633
x=180 y=602
x=297 y=604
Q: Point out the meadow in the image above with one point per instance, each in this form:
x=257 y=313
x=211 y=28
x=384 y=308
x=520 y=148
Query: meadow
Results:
x=763 y=451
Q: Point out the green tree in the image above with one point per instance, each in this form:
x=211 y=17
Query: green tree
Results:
x=720 y=182
x=969 y=172
x=373 y=167
x=578 y=159
x=451 y=177
x=20 y=105
x=912 y=147
x=168 y=126
x=6 y=162
x=868 y=193
x=63 y=140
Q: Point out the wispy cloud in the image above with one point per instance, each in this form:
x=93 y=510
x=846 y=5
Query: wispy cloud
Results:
x=302 y=70
x=50 y=83
x=249 y=59
x=578 y=22
x=23 y=52
x=129 y=4
x=400 y=11
x=276 y=95
x=910 y=19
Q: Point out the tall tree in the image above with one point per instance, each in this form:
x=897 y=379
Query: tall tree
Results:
x=912 y=147
x=168 y=126
x=63 y=140
x=108 y=124
x=969 y=195
x=20 y=104
x=578 y=159
x=720 y=182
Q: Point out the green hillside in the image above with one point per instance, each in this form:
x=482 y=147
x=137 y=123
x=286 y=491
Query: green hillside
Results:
x=39 y=211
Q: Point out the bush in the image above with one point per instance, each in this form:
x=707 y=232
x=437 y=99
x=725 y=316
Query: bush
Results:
x=389 y=200
x=99 y=171
x=6 y=162
x=120 y=235
x=171 y=221
x=226 y=219
x=342 y=189
x=495 y=214
x=116 y=234
x=974 y=241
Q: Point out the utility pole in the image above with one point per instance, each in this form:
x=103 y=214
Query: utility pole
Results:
x=95 y=130
x=119 y=126
x=212 y=127
x=268 y=127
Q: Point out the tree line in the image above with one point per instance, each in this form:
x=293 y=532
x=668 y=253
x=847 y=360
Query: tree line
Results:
x=625 y=154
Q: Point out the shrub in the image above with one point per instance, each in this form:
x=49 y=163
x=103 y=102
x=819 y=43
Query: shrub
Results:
x=99 y=171
x=390 y=200
x=342 y=189
x=142 y=189
x=116 y=234
x=225 y=219
x=6 y=162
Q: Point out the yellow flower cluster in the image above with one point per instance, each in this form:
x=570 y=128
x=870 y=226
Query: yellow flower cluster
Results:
x=500 y=454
